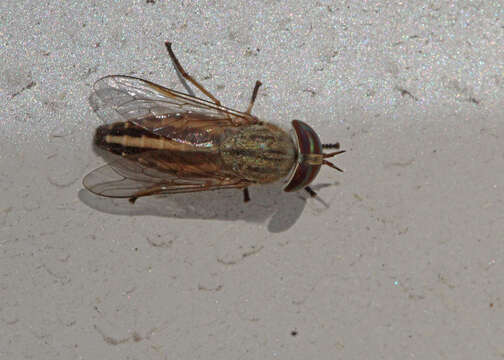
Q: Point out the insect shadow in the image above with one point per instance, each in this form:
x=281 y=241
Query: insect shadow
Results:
x=269 y=204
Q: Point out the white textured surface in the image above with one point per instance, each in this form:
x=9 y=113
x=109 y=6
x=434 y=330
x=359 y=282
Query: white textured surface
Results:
x=406 y=262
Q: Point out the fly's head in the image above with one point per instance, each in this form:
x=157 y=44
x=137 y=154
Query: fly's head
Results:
x=310 y=156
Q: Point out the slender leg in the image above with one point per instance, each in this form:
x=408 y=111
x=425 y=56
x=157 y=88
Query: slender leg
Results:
x=254 y=95
x=310 y=191
x=246 y=195
x=156 y=189
x=188 y=77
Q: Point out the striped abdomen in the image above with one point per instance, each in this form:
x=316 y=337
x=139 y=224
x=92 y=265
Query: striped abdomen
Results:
x=178 y=157
x=261 y=153
x=125 y=138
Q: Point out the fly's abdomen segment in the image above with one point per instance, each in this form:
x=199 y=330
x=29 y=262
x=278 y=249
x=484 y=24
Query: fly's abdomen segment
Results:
x=125 y=138
x=260 y=153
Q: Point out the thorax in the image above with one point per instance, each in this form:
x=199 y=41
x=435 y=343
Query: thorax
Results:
x=261 y=153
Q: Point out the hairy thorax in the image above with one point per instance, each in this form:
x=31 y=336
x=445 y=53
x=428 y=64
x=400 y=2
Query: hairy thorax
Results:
x=261 y=153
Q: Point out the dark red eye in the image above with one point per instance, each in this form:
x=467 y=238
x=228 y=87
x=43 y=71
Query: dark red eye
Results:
x=308 y=142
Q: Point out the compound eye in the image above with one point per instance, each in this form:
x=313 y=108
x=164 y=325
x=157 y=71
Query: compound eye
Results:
x=307 y=142
x=303 y=175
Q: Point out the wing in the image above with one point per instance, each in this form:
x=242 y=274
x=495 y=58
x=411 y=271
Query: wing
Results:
x=124 y=98
x=125 y=178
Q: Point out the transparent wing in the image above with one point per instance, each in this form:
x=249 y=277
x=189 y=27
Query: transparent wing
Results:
x=124 y=178
x=112 y=180
x=122 y=98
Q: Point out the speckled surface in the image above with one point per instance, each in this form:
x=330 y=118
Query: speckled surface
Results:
x=401 y=258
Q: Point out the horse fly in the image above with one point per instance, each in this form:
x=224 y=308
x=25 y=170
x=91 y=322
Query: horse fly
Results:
x=169 y=142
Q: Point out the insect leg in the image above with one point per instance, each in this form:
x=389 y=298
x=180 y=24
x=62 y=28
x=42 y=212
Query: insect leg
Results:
x=246 y=195
x=188 y=77
x=254 y=95
x=156 y=189
x=310 y=191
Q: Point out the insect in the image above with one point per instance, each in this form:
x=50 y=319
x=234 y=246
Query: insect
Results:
x=169 y=142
